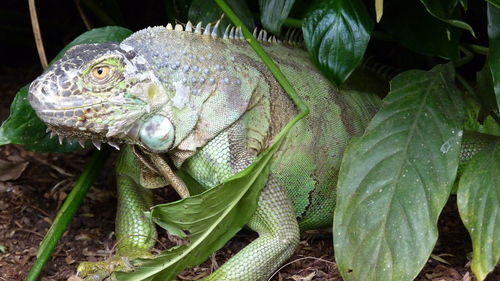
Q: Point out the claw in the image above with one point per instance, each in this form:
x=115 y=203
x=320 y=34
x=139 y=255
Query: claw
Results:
x=103 y=270
x=82 y=143
x=61 y=138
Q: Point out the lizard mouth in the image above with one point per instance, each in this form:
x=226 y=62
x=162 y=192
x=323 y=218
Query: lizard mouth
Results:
x=87 y=123
x=82 y=138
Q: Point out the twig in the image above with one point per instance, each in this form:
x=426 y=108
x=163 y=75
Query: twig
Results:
x=304 y=258
x=38 y=34
x=28 y=231
x=98 y=12
x=85 y=20
x=57 y=168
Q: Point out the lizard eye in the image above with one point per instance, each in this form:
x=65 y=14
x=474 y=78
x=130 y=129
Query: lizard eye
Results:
x=102 y=75
x=101 y=72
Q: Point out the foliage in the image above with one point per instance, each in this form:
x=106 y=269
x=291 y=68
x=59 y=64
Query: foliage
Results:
x=209 y=221
x=494 y=54
x=395 y=178
x=336 y=35
x=478 y=201
x=392 y=183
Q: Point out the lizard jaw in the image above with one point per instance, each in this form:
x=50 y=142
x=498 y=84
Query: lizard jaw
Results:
x=82 y=141
x=155 y=134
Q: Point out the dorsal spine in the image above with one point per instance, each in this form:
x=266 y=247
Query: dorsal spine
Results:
x=235 y=33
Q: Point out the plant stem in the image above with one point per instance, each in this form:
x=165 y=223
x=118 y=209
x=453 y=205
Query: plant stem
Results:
x=293 y=23
x=280 y=77
x=481 y=50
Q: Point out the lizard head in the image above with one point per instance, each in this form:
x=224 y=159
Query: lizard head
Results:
x=105 y=93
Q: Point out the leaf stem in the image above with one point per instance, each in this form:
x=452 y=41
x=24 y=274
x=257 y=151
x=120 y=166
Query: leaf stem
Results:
x=293 y=22
x=67 y=211
x=481 y=50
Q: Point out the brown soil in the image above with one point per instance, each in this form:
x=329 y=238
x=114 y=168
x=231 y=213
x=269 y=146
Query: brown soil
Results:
x=36 y=184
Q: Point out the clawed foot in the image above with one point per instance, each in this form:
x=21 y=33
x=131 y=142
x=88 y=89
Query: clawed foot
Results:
x=103 y=270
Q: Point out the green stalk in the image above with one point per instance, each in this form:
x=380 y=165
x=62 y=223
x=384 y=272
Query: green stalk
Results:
x=293 y=23
x=481 y=50
x=280 y=77
x=67 y=211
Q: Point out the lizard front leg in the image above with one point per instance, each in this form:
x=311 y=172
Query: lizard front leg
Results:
x=274 y=220
x=135 y=233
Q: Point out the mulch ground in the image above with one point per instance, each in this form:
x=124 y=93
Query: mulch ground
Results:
x=34 y=185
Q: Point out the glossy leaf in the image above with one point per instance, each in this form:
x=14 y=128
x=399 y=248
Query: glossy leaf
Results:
x=445 y=10
x=494 y=53
x=488 y=126
x=97 y=35
x=273 y=13
x=24 y=127
x=336 y=35
x=495 y=3
x=396 y=178
x=479 y=205
x=409 y=23
x=209 y=220
x=485 y=90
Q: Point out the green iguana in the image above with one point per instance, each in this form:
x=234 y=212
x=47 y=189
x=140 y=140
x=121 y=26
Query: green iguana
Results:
x=208 y=106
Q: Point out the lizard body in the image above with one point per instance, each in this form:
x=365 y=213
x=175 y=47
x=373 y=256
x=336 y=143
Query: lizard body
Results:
x=209 y=106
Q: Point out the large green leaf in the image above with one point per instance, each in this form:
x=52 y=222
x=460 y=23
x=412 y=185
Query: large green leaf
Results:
x=496 y=3
x=494 y=53
x=274 y=13
x=409 y=23
x=485 y=91
x=209 y=12
x=479 y=205
x=336 y=35
x=396 y=178
x=208 y=220
x=24 y=127
x=446 y=10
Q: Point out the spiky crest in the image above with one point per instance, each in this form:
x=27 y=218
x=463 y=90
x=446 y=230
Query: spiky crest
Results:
x=292 y=37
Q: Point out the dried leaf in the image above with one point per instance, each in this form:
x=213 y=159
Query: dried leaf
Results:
x=11 y=170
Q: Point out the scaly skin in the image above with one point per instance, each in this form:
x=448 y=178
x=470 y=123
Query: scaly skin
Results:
x=210 y=106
